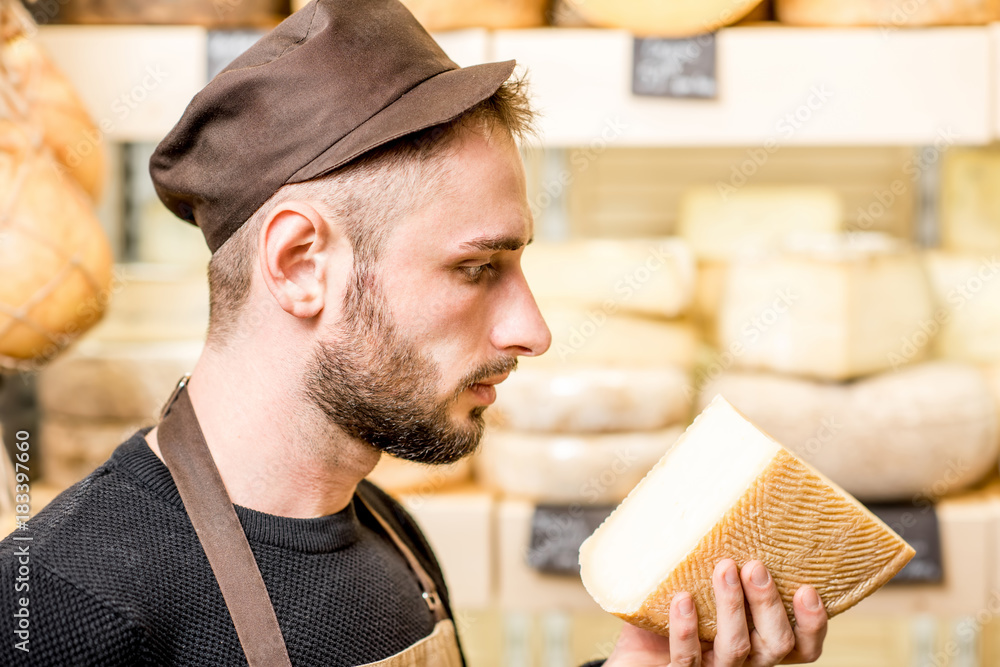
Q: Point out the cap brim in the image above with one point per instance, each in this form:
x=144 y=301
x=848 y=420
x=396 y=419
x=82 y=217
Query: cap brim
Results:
x=437 y=100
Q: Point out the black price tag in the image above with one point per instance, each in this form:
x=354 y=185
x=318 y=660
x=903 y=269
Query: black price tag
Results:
x=675 y=67
x=918 y=526
x=557 y=531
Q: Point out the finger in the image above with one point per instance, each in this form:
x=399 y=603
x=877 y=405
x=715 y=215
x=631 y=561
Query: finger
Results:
x=732 y=639
x=772 y=637
x=810 y=626
x=685 y=647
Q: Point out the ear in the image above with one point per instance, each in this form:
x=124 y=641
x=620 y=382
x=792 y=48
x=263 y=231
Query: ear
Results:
x=293 y=247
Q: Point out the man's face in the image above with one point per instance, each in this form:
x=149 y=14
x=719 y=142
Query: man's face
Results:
x=426 y=333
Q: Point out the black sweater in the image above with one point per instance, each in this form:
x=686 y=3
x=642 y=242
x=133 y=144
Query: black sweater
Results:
x=116 y=576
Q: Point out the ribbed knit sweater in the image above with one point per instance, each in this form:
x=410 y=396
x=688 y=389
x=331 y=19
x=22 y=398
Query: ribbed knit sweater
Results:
x=117 y=576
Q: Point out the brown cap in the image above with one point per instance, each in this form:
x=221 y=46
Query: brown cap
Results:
x=334 y=80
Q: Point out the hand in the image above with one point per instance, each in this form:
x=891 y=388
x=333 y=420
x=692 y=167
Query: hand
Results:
x=773 y=640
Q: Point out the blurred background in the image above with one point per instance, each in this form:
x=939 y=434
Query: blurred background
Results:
x=795 y=204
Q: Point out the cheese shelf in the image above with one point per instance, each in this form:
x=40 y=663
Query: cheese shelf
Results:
x=778 y=85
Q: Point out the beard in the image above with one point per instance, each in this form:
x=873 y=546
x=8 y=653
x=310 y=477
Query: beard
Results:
x=378 y=387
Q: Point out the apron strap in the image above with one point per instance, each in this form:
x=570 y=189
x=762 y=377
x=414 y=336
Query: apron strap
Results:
x=221 y=534
x=190 y=462
x=430 y=593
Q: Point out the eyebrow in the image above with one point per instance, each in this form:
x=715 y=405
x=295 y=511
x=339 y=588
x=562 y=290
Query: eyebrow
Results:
x=495 y=243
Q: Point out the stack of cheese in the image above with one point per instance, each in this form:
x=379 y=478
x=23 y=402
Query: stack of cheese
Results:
x=116 y=379
x=583 y=422
x=722 y=225
x=965 y=271
x=826 y=339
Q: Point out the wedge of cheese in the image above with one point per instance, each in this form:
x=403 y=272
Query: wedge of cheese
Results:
x=927 y=430
x=605 y=336
x=722 y=225
x=970 y=200
x=832 y=307
x=967 y=292
x=727 y=490
x=563 y=468
x=593 y=399
x=653 y=276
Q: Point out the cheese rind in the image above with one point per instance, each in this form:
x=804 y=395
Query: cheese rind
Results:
x=585 y=469
x=727 y=490
x=829 y=307
x=665 y=19
x=593 y=399
x=886 y=13
x=927 y=430
x=652 y=276
x=722 y=226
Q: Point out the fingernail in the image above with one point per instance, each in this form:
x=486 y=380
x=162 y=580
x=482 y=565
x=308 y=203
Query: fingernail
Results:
x=811 y=599
x=686 y=606
x=732 y=576
x=759 y=575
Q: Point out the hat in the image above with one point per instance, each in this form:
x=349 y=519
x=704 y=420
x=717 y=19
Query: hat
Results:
x=331 y=82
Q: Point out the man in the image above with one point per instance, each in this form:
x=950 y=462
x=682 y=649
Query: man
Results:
x=365 y=203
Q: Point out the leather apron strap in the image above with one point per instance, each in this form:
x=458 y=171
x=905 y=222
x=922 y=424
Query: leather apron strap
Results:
x=221 y=534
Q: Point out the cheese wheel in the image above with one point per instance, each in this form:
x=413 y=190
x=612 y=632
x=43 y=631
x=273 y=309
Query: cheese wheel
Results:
x=967 y=292
x=647 y=276
x=724 y=224
x=395 y=475
x=593 y=399
x=927 y=430
x=562 y=468
x=655 y=18
x=970 y=200
x=727 y=490
x=886 y=13
x=101 y=380
x=496 y=14
x=73 y=448
x=831 y=307
x=604 y=336
x=55 y=257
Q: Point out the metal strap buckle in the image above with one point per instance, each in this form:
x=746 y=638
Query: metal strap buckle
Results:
x=173 y=396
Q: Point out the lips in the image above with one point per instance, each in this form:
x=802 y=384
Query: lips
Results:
x=485 y=390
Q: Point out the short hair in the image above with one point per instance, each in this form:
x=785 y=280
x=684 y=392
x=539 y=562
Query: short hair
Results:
x=365 y=195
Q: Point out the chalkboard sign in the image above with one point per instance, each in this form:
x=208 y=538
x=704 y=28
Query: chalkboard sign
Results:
x=675 y=67
x=557 y=531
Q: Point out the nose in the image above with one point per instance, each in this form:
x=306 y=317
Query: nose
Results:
x=519 y=328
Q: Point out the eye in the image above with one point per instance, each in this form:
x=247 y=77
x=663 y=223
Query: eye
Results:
x=478 y=273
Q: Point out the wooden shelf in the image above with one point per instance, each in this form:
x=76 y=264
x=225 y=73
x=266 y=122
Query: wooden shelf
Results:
x=777 y=85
